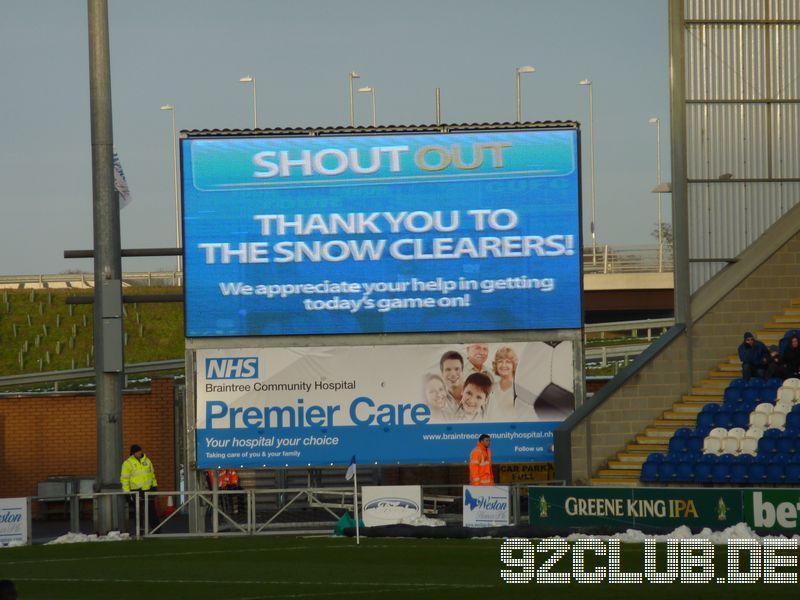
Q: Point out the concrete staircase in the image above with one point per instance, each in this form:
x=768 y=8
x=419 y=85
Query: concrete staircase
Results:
x=626 y=468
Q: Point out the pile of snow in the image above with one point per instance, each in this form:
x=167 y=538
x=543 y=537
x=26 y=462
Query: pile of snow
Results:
x=423 y=520
x=738 y=531
x=79 y=538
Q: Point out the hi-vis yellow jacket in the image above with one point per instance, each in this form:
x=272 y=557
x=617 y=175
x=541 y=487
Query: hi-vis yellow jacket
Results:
x=137 y=474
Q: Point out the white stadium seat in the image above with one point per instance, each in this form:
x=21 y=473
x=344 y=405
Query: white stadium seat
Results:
x=764 y=407
x=736 y=432
x=777 y=420
x=730 y=445
x=792 y=382
x=754 y=433
x=759 y=420
x=748 y=445
x=718 y=432
x=712 y=445
x=786 y=394
x=783 y=407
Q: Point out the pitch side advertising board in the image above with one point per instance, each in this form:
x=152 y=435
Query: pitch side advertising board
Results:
x=476 y=231
x=393 y=404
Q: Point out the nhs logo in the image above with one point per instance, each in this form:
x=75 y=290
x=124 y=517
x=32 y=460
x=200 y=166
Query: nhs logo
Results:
x=240 y=367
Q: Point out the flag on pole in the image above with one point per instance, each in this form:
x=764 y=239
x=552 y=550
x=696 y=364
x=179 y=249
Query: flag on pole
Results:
x=351 y=470
x=121 y=184
x=352 y=474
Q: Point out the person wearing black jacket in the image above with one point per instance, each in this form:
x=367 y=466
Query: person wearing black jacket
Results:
x=754 y=356
x=791 y=356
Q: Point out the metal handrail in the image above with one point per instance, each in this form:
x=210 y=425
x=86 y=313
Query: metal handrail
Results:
x=612 y=259
x=72 y=374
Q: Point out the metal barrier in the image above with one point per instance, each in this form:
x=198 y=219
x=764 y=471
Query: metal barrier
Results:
x=270 y=511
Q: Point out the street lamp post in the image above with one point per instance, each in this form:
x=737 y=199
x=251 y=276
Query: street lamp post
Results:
x=588 y=84
x=370 y=90
x=655 y=121
x=520 y=71
x=251 y=79
x=353 y=75
x=171 y=109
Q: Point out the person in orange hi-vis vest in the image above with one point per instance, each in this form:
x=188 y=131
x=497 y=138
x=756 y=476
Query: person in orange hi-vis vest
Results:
x=229 y=480
x=480 y=463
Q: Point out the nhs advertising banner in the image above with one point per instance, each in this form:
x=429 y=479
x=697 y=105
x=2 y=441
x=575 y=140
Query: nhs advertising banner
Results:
x=381 y=233
x=421 y=404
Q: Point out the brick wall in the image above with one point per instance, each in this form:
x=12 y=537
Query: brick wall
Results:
x=56 y=435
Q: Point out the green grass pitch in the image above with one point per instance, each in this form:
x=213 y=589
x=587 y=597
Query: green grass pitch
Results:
x=272 y=568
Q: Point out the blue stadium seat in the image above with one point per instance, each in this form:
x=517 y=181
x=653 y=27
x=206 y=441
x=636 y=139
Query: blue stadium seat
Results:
x=756 y=472
x=738 y=473
x=732 y=394
x=731 y=404
x=793 y=419
x=709 y=459
x=773 y=432
x=774 y=382
x=683 y=432
x=791 y=473
x=655 y=457
x=795 y=409
x=705 y=420
x=679 y=457
x=702 y=472
x=768 y=394
x=678 y=445
x=741 y=417
x=738 y=383
x=767 y=445
x=702 y=431
x=786 y=445
x=684 y=472
x=649 y=471
x=774 y=473
x=694 y=443
x=754 y=382
x=722 y=418
x=711 y=407
x=726 y=458
x=748 y=406
x=751 y=394
x=720 y=473
x=666 y=471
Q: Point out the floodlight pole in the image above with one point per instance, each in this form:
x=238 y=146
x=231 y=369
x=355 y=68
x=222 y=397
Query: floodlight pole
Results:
x=108 y=353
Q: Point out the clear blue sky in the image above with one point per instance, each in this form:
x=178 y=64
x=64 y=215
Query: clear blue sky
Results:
x=192 y=54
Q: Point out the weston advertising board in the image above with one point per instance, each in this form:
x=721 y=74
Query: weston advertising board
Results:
x=300 y=235
x=420 y=404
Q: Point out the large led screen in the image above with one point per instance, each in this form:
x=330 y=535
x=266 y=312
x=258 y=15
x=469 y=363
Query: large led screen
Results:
x=381 y=233
x=421 y=404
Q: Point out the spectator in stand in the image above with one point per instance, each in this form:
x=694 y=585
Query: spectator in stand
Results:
x=754 y=356
x=791 y=357
x=776 y=367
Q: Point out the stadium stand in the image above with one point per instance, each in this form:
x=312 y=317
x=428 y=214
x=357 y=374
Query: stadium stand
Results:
x=736 y=442
x=723 y=402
